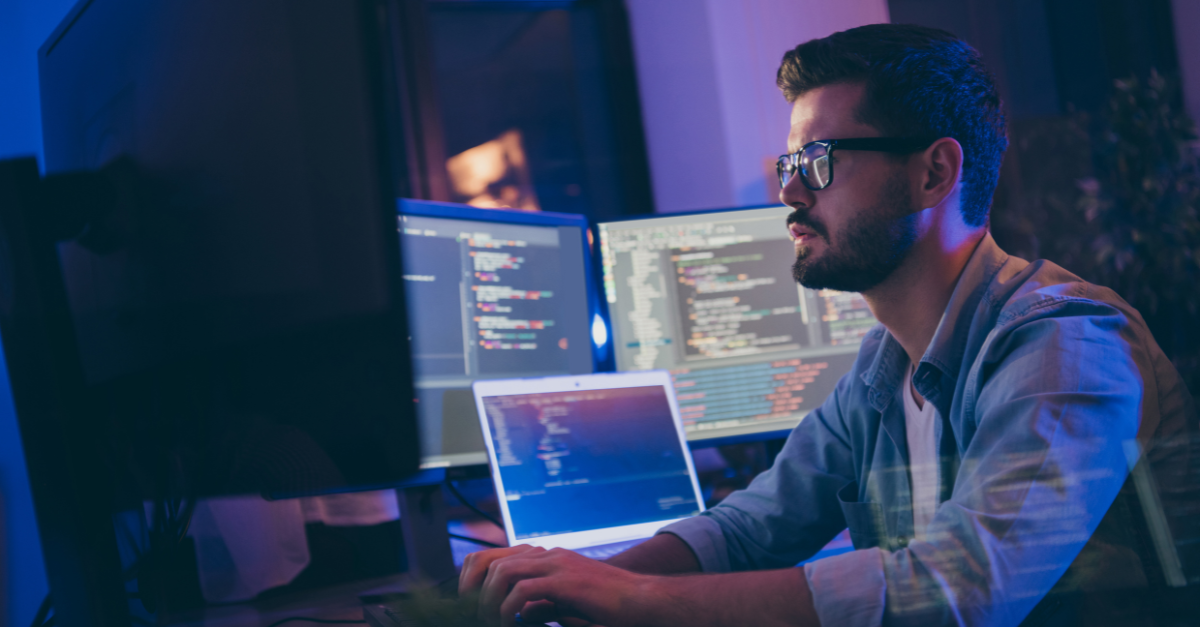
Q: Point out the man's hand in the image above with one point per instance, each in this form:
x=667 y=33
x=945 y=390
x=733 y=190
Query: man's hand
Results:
x=475 y=566
x=550 y=585
x=560 y=585
x=661 y=555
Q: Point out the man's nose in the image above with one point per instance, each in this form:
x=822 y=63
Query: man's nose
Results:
x=796 y=195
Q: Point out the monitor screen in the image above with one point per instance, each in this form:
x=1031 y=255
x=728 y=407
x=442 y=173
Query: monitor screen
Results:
x=587 y=460
x=711 y=298
x=489 y=298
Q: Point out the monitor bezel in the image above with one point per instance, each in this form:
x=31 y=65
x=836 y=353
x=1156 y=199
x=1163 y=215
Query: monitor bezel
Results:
x=695 y=212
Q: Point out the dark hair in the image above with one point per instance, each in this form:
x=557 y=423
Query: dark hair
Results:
x=920 y=82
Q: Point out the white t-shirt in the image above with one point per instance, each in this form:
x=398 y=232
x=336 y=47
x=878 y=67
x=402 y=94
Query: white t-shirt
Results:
x=919 y=425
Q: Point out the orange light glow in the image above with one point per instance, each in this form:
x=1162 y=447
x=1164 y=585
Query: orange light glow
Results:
x=494 y=174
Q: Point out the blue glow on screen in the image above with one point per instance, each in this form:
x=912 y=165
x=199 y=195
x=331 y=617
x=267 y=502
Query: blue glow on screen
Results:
x=593 y=459
x=599 y=332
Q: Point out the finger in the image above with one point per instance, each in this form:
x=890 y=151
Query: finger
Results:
x=502 y=574
x=475 y=566
x=539 y=612
x=523 y=592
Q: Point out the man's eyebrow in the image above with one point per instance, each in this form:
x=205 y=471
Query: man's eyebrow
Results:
x=798 y=145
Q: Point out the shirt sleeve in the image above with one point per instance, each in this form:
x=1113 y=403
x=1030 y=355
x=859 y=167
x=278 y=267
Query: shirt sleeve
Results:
x=788 y=512
x=848 y=590
x=703 y=535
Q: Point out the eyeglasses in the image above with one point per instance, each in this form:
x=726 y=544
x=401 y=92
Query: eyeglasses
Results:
x=816 y=168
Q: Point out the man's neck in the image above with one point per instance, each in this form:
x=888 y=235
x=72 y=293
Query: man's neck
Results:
x=910 y=303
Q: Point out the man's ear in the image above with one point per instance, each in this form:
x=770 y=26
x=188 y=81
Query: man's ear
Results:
x=940 y=171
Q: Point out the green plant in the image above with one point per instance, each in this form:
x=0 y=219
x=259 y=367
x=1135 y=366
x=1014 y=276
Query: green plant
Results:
x=427 y=607
x=1132 y=223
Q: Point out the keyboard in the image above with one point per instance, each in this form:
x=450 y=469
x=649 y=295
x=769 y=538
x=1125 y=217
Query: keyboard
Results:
x=605 y=551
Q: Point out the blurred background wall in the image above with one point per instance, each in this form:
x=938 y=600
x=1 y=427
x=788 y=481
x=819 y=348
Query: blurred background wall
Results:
x=1186 y=15
x=706 y=72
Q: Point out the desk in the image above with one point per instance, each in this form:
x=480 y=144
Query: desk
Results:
x=339 y=602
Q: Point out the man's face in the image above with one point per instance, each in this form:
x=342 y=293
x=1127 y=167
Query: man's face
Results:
x=851 y=235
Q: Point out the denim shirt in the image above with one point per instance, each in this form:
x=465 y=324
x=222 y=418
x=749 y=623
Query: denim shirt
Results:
x=1041 y=381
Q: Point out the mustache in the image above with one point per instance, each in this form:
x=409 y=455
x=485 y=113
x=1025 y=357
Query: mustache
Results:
x=803 y=219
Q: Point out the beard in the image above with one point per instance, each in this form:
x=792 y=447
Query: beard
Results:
x=872 y=247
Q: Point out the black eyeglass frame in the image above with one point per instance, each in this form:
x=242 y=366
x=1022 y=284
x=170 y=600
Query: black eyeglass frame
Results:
x=894 y=145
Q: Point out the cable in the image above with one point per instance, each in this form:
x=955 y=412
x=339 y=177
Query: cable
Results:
x=462 y=499
x=477 y=541
x=186 y=524
x=323 y=621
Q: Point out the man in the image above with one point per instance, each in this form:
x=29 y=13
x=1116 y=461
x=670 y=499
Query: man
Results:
x=983 y=433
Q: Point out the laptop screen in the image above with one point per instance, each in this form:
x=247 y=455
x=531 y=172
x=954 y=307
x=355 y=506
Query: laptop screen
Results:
x=578 y=461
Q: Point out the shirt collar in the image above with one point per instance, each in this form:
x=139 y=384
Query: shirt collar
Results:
x=942 y=360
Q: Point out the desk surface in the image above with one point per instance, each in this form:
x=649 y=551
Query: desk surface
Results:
x=333 y=603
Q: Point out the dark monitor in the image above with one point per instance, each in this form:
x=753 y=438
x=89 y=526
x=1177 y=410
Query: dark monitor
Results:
x=241 y=326
x=493 y=294
x=710 y=297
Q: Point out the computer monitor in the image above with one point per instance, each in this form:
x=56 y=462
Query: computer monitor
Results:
x=241 y=326
x=710 y=297
x=493 y=294
x=236 y=324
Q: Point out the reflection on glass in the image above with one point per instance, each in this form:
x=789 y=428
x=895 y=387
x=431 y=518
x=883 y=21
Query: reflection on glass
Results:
x=493 y=174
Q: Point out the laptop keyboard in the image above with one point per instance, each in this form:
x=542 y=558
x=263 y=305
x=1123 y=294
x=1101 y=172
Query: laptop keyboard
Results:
x=605 y=551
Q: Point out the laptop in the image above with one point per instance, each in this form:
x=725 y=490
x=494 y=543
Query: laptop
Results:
x=594 y=463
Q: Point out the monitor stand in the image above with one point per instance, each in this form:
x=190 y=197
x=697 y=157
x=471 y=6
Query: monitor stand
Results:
x=423 y=523
x=426 y=536
x=426 y=547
